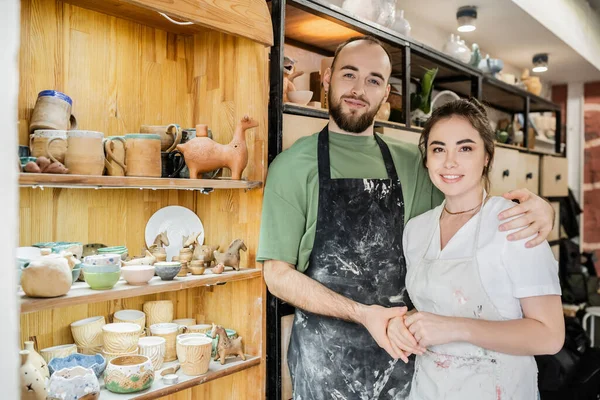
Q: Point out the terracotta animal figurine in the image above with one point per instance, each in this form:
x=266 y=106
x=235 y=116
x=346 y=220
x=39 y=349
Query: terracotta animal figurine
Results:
x=231 y=258
x=226 y=346
x=289 y=74
x=218 y=269
x=149 y=259
x=161 y=239
x=205 y=253
x=203 y=154
x=44 y=165
x=191 y=240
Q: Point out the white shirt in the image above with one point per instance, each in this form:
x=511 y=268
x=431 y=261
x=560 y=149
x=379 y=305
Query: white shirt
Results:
x=508 y=270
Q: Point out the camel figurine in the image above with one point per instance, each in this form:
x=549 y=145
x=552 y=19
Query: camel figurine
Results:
x=231 y=258
x=205 y=253
x=161 y=240
x=203 y=154
x=225 y=345
x=149 y=259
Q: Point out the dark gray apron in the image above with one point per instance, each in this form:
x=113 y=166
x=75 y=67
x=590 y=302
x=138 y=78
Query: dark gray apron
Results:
x=357 y=253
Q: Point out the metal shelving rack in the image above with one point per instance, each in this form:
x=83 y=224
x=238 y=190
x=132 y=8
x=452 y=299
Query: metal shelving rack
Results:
x=408 y=57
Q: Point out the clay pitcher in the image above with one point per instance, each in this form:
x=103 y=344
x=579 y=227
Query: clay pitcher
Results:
x=52 y=110
x=170 y=135
x=114 y=149
x=33 y=384
x=142 y=155
x=85 y=155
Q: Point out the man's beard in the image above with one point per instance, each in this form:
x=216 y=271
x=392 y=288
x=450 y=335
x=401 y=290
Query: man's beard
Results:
x=351 y=123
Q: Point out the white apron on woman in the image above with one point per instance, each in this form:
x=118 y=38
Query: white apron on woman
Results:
x=453 y=287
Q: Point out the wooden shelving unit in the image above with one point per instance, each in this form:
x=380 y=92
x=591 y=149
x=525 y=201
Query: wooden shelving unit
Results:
x=130 y=182
x=81 y=293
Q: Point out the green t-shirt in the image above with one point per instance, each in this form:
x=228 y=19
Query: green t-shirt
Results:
x=291 y=196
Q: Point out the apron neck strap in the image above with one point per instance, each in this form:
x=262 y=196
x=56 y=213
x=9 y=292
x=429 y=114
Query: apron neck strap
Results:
x=325 y=163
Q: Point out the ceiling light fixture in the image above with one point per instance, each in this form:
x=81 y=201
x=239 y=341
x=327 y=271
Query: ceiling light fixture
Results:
x=466 y=17
x=540 y=62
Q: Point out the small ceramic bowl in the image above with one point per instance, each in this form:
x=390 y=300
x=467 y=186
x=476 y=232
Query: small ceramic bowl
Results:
x=100 y=268
x=110 y=356
x=301 y=97
x=101 y=280
x=74 y=383
x=167 y=270
x=96 y=363
x=129 y=374
x=120 y=250
x=103 y=259
x=64 y=350
x=76 y=271
x=138 y=274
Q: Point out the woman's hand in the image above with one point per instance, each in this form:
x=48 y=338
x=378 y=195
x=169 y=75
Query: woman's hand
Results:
x=430 y=329
x=536 y=217
x=403 y=342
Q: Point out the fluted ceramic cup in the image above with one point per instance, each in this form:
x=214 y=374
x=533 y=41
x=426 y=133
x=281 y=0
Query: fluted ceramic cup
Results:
x=121 y=337
x=133 y=316
x=185 y=321
x=87 y=333
x=194 y=355
x=169 y=331
x=64 y=350
x=158 y=312
x=153 y=347
x=200 y=328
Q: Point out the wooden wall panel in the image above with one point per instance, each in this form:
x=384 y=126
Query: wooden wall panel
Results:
x=121 y=75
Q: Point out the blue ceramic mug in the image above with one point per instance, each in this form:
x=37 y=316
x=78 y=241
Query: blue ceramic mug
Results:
x=52 y=110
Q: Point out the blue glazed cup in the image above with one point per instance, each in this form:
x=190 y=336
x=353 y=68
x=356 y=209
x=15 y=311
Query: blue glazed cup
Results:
x=52 y=110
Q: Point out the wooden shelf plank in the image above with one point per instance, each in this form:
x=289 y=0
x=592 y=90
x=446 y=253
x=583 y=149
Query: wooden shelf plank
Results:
x=81 y=293
x=159 y=389
x=124 y=182
x=246 y=18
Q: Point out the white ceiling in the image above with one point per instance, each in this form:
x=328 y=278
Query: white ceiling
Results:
x=507 y=32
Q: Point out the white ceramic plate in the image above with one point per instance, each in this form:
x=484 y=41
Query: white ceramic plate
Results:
x=178 y=222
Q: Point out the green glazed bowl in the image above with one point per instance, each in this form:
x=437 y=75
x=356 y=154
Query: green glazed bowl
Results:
x=101 y=280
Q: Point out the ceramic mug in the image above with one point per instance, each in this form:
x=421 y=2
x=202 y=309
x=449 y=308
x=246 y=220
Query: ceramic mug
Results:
x=114 y=150
x=194 y=355
x=142 y=155
x=159 y=311
x=64 y=350
x=52 y=110
x=132 y=316
x=169 y=332
x=182 y=338
x=170 y=135
x=38 y=143
x=153 y=347
x=85 y=154
x=121 y=337
x=88 y=332
x=171 y=165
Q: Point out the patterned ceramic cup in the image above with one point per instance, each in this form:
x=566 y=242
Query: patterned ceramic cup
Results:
x=169 y=331
x=121 y=337
x=154 y=347
x=194 y=355
x=61 y=351
x=88 y=332
x=158 y=312
x=133 y=316
x=129 y=374
x=200 y=328
x=185 y=321
x=103 y=259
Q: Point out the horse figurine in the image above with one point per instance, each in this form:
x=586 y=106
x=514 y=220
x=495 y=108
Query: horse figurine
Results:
x=205 y=253
x=161 y=239
x=191 y=241
x=231 y=258
x=225 y=345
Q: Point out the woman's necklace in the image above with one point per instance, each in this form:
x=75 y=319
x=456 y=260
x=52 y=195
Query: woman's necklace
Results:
x=466 y=211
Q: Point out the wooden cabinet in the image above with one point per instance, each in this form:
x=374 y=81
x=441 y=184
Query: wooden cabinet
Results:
x=528 y=174
x=297 y=126
x=505 y=170
x=403 y=135
x=554 y=178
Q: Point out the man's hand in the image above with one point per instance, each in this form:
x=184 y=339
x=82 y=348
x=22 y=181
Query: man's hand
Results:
x=403 y=342
x=376 y=319
x=431 y=329
x=536 y=217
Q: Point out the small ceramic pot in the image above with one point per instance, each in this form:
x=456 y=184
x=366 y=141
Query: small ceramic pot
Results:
x=129 y=374
x=138 y=274
x=184 y=270
x=194 y=355
x=153 y=347
x=61 y=351
x=131 y=316
x=95 y=362
x=87 y=333
x=167 y=270
x=200 y=328
x=186 y=255
x=169 y=331
x=101 y=280
x=185 y=321
x=197 y=267
x=111 y=356
x=143 y=155
x=52 y=110
x=121 y=337
x=160 y=311
x=74 y=384
x=85 y=153
x=103 y=259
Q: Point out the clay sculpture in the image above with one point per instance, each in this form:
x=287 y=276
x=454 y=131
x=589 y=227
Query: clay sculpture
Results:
x=191 y=241
x=161 y=239
x=289 y=74
x=44 y=165
x=203 y=154
x=48 y=276
x=225 y=345
x=205 y=253
x=218 y=269
x=149 y=259
x=231 y=258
